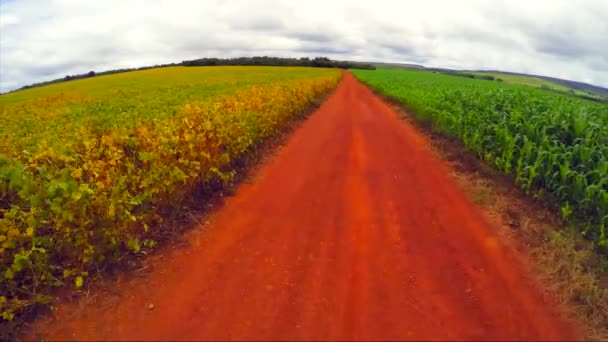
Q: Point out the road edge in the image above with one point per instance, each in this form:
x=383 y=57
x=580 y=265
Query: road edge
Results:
x=567 y=267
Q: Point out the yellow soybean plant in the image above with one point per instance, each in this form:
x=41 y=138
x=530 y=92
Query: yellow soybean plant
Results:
x=91 y=166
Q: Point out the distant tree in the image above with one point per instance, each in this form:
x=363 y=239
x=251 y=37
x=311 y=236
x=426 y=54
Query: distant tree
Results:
x=91 y=74
x=322 y=62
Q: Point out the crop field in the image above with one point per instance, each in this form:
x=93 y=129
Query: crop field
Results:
x=96 y=171
x=540 y=83
x=524 y=80
x=90 y=167
x=551 y=144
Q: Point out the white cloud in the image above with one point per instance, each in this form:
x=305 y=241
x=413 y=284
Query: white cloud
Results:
x=41 y=40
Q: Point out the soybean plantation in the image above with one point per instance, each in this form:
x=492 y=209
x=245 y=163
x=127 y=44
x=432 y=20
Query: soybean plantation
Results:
x=553 y=145
x=90 y=167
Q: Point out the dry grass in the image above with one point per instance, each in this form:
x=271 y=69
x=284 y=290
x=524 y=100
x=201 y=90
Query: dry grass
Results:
x=574 y=272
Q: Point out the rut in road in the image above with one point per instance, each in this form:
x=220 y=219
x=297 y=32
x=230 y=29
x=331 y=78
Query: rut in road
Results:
x=354 y=230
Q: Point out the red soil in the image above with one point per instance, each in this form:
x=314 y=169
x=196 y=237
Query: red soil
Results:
x=353 y=231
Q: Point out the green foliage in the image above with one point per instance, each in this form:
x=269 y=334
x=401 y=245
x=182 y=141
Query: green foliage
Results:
x=571 y=88
x=92 y=171
x=550 y=143
x=319 y=62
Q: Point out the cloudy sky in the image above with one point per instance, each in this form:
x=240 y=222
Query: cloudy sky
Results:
x=46 y=39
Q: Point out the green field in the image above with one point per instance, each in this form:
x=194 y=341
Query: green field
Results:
x=525 y=80
x=553 y=145
x=537 y=83
x=90 y=168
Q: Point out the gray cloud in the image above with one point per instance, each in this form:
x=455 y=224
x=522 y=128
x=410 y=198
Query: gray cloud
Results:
x=571 y=45
x=51 y=38
x=399 y=49
x=321 y=51
x=560 y=46
x=260 y=24
x=318 y=37
x=600 y=64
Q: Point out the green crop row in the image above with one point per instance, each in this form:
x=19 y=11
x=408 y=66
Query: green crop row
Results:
x=90 y=175
x=553 y=145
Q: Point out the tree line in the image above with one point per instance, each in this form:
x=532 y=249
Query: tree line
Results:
x=319 y=62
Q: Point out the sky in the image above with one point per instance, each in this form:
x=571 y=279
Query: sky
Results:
x=47 y=39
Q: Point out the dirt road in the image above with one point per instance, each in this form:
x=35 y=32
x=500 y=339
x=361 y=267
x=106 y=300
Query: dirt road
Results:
x=354 y=230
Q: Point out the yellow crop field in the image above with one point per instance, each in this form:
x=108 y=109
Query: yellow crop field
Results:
x=89 y=167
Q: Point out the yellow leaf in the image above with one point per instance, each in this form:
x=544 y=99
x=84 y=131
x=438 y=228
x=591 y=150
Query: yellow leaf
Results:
x=77 y=173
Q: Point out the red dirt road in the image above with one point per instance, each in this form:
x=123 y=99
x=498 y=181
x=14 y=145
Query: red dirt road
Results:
x=354 y=230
